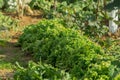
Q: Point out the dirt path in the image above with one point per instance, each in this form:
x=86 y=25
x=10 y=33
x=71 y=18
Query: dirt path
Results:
x=9 y=54
x=8 y=57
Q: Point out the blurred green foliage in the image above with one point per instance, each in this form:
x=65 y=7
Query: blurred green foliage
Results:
x=67 y=49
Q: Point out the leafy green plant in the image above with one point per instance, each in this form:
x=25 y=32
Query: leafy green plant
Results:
x=8 y=5
x=1 y=3
x=42 y=5
x=89 y=18
x=6 y=22
x=112 y=5
x=40 y=71
x=3 y=43
x=117 y=77
x=88 y=15
x=66 y=49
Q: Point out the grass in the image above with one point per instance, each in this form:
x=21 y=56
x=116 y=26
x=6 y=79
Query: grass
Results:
x=5 y=65
x=2 y=43
x=1 y=52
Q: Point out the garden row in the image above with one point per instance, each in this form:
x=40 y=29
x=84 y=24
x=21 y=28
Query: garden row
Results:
x=60 y=46
x=65 y=49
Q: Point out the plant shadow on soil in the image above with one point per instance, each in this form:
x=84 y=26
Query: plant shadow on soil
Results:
x=11 y=54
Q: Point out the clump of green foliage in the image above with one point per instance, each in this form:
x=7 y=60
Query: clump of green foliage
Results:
x=1 y=3
x=40 y=71
x=8 y=5
x=66 y=49
x=117 y=77
x=113 y=5
x=42 y=5
x=88 y=15
x=6 y=22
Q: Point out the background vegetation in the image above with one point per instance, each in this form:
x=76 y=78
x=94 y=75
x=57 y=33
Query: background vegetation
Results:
x=72 y=42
